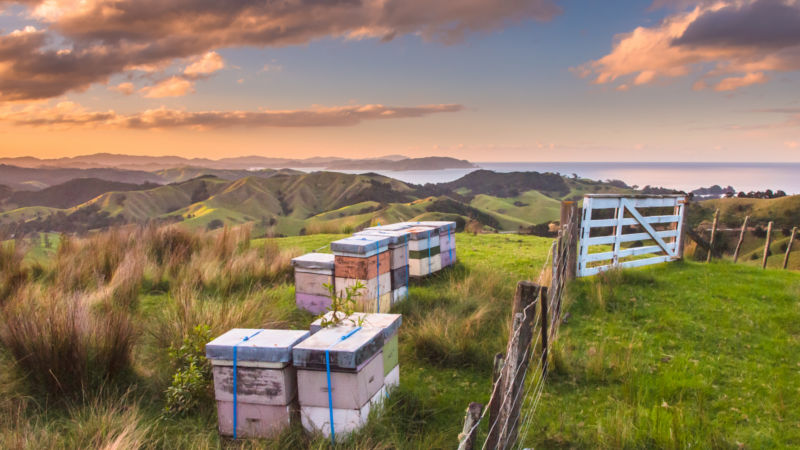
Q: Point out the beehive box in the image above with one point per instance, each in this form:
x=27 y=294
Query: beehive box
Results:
x=356 y=377
x=365 y=260
x=398 y=244
x=447 y=240
x=265 y=380
x=423 y=251
x=389 y=324
x=345 y=421
x=311 y=272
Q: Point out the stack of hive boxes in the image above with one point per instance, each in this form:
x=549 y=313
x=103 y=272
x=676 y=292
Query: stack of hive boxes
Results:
x=398 y=247
x=423 y=251
x=311 y=273
x=447 y=240
x=364 y=259
x=389 y=324
x=340 y=376
x=254 y=380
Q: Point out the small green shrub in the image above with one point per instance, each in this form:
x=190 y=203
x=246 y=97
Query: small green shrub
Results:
x=191 y=383
x=342 y=307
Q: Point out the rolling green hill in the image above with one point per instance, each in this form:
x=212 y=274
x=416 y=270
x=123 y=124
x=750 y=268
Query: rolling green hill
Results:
x=292 y=203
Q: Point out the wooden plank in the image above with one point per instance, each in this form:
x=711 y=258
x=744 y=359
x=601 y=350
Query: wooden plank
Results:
x=603 y=240
x=583 y=244
x=589 y=271
x=635 y=251
x=618 y=231
x=647 y=227
x=631 y=221
x=682 y=211
x=605 y=203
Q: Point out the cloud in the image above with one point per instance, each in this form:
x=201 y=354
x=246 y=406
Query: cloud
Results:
x=126 y=88
x=171 y=87
x=205 y=65
x=729 y=45
x=107 y=37
x=71 y=115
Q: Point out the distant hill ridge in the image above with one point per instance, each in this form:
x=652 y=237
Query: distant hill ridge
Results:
x=153 y=163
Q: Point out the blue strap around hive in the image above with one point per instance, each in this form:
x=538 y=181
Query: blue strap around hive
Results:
x=378 y=297
x=450 y=241
x=430 y=269
x=328 y=375
x=235 y=400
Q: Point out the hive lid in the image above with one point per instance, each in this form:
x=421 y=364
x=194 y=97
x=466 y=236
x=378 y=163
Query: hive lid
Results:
x=443 y=226
x=266 y=346
x=392 y=226
x=419 y=232
x=314 y=261
x=389 y=323
x=396 y=237
x=361 y=245
x=347 y=353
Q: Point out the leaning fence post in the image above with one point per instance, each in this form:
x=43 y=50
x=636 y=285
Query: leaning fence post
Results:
x=682 y=227
x=741 y=239
x=497 y=395
x=470 y=431
x=789 y=248
x=516 y=366
x=713 y=232
x=766 y=246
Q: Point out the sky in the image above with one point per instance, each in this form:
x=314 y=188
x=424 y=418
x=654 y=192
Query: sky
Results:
x=499 y=80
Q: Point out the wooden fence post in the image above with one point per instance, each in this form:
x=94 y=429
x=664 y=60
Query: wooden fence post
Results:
x=470 y=430
x=766 y=246
x=516 y=366
x=741 y=239
x=569 y=227
x=789 y=248
x=545 y=334
x=713 y=232
x=682 y=226
x=497 y=390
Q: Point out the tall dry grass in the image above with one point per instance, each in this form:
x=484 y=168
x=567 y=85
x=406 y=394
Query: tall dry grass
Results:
x=12 y=272
x=66 y=342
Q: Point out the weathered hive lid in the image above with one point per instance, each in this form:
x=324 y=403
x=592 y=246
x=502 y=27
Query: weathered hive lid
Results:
x=397 y=237
x=266 y=346
x=443 y=226
x=392 y=226
x=420 y=232
x=361 y=245
x=347 y=353
x=389 y=323
x=314 y=261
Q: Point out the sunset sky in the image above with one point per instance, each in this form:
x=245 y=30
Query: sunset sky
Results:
x=509 y=80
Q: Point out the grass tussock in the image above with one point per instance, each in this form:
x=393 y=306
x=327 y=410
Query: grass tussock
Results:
x=13 y=274
x=66 y=342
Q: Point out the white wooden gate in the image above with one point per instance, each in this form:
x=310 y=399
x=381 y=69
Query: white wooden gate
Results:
x=630 y=213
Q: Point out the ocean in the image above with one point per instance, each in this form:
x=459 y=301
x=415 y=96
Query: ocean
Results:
x=682 y=176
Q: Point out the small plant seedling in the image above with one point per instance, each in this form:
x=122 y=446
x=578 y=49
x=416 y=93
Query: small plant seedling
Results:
x=342 y=306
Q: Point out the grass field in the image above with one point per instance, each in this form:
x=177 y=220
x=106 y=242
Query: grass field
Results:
x=673 y=356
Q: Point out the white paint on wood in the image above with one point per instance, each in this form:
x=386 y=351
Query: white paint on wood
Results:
x=668 y=241
x=345 y=421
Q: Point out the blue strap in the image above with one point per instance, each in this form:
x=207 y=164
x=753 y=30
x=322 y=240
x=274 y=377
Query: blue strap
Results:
x=235 y=400
x=450 y=240
x=378 y=279
x=408 y=255
x=328 y=376
x=430 y=270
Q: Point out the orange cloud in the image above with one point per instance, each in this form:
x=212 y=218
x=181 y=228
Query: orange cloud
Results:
x=207 y=64
x=126 y=88
x=72 y=115
x=736 y=42
x=171 y=87
x=107 y=37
